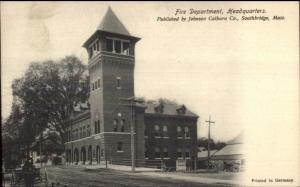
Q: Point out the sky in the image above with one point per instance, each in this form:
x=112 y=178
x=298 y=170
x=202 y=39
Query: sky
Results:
x=223 y=69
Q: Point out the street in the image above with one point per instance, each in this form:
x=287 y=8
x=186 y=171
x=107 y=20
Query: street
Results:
x=78 y=177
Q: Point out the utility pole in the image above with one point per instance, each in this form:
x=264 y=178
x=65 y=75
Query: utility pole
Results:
x=41 y=136
x=208 y=146
x=132 y=101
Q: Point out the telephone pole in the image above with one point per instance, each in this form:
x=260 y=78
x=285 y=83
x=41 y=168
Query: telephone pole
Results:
x=132 y=101
x=208 y=146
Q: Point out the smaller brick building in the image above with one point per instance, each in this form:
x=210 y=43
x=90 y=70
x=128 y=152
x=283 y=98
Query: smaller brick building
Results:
x=101 y=130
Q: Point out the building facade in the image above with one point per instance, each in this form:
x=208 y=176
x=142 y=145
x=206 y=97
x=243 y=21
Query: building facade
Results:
x=106 y=127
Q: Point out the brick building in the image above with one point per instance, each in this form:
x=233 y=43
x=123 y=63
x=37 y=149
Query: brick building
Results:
x=101 y=130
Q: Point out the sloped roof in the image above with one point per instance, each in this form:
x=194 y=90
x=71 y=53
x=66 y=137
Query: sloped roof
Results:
x=234 y=149
x=168 y=109
x=111 y=23
x=203 y=154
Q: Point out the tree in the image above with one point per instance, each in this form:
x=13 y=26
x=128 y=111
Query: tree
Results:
x=47 y=92
x=203 y=142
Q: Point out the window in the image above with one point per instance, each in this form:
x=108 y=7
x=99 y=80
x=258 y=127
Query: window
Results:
x=125 y=48
x=187 y=153
x=179 y=153
x=94 y=48
x=118 y=82
x=98 y=83
x=117 y=46
x=157 y=152
x=146 y=152
x=109 y=45
x=88 y=129
x=186 y=132
x=93 y=86
x=84 y=132
x=179 y=131
x=166 y=155
x=96 y=127
x=102 y=152
x=115 y=125
x=156 y=130
x=98 y=124
x=120 y=146
x=165 y=131
x=122 y=125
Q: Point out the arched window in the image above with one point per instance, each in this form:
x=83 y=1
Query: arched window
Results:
x=88 y=130
x=156 y=130
x=122 y=125
x=186 y=132
x=115 y=125
x=179 y=131
x=157 y=152
x=165 y=131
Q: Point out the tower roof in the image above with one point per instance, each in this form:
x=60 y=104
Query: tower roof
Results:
x=111 y=23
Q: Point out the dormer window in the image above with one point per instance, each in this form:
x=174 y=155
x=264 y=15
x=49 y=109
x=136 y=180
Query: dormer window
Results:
x=181 y=110
x=159 y=108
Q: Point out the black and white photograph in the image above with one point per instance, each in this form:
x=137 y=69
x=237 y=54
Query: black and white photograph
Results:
x=150 y=94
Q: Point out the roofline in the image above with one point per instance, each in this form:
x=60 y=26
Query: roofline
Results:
x=136 y=39
x=168 y=115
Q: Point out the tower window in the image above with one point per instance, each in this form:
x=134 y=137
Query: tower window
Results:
x=88 y=133
x=117 y=46
x=120 y=146
x=98 y=83
x=119 y=82
x=96 y=127
x=125 y=48
x=109 y=45
x=84 y=132
x=93 y=86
